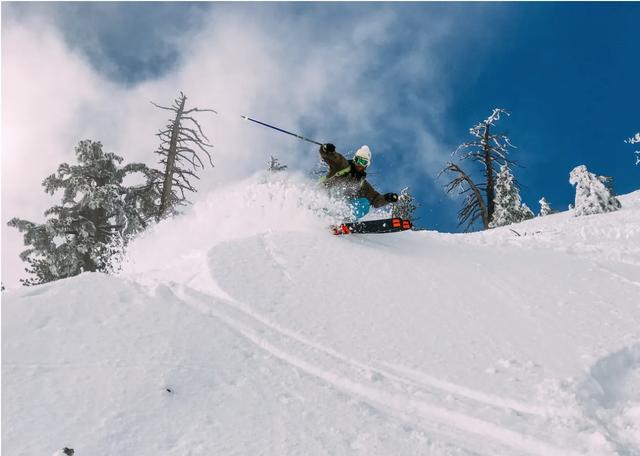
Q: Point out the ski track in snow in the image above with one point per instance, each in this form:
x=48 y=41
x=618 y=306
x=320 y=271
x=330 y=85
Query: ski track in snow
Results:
x=364 y=381
x=408 y=376
x=617 y=276
x=420 y=378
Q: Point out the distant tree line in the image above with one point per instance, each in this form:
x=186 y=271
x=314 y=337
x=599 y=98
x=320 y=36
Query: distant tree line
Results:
x=494 y=199
x=98 y=214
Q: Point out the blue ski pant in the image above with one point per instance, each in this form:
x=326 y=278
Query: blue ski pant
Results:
x=359 y=207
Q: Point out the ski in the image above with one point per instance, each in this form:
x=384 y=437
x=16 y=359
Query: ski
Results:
x=391 y=225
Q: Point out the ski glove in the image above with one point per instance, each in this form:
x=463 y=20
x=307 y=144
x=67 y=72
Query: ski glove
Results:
x=329 y=147
x=391 y=197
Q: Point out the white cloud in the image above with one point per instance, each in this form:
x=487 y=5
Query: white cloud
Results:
x=283 y=69
x=45 y=87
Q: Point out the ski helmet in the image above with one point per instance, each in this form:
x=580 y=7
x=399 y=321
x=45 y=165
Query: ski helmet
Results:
x=363 y=156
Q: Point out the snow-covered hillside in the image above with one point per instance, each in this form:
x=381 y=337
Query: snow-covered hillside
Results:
x=244 y=327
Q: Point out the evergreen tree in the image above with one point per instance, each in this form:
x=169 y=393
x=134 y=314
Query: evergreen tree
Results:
x=526 y=213
x=592 y=195
x=508 y=205
x=180 y=143
x=635 y=139
x=275 y=165
x=97 y=213
x=545 y=209
x=406 y=206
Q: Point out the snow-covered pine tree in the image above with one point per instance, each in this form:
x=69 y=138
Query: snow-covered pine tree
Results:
x=608 y=182
x=406 y=206
x=97 y=212
x=180 y=142
x=525 y=212
x=635 y=139
x=592 y=195
x=508 y=205
x=275 y=165
x=545 y=208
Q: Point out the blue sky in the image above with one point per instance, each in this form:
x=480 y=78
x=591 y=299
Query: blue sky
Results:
x=408 y=79
x=569 y=73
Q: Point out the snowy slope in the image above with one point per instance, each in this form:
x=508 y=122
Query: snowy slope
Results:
x=277 y=338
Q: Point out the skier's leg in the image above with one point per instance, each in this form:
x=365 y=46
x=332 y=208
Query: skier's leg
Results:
x=359 y=207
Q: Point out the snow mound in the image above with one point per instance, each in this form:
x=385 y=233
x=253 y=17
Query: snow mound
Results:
x=265 y=202
x=613 y=237
x=175 y=249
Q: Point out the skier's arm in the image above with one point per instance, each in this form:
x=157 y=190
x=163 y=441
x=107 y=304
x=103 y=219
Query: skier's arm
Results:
x=375 y=198
x=333 y=158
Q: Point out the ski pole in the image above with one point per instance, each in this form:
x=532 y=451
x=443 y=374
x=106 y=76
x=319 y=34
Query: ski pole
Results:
x=283 y=131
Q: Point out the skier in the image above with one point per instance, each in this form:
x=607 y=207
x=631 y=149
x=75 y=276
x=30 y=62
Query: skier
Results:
x=348 y=179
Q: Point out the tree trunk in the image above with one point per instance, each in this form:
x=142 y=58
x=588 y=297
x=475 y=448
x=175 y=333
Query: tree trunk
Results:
x=98 y=217
x=171 y=159
x=488 y=167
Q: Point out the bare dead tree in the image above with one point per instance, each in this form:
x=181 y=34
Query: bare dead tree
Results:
x=474 y=207
x=181 y=141
x=490 y=150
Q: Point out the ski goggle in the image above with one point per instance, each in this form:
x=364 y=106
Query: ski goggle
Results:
x=361 y=161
